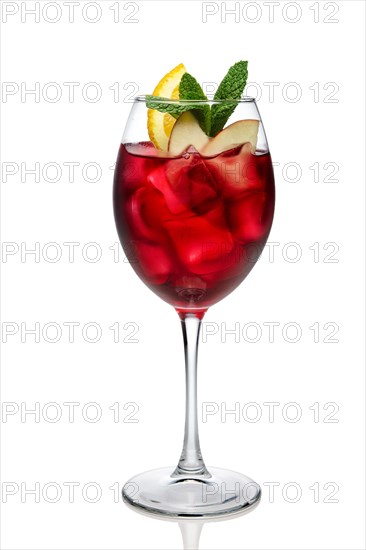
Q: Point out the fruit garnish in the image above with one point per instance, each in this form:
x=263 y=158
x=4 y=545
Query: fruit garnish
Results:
x=160 y=123
x=211 y=120
x=242 y=131
x=187 y=131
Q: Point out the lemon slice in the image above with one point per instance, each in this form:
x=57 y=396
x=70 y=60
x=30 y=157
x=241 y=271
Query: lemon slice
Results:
x=160 y=125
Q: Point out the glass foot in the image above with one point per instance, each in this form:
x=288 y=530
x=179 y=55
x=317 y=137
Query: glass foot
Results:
x=220 y=492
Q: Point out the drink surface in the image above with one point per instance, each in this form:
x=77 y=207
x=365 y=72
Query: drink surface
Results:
x=193 y=227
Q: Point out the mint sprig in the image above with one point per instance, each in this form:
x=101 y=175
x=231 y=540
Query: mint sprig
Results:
x=231 y=87
x=189 y=89
x=212 y=120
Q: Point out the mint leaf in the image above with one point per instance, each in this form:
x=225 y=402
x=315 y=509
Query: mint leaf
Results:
x=233 y=83
x=160 y=104
x=231 y=87
x=189 y=89
x=175 y=109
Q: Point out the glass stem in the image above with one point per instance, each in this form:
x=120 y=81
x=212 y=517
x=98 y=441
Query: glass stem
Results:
x=191 y=461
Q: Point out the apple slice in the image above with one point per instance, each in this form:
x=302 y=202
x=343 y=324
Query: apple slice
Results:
x=238 y=133
x=186 y=131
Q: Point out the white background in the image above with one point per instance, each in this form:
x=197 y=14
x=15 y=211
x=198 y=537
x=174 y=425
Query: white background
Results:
x=320 y=120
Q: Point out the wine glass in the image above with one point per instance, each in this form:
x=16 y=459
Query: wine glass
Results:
x=192 y=226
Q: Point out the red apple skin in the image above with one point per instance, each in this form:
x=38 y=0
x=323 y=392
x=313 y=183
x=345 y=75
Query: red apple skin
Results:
x=242 y=131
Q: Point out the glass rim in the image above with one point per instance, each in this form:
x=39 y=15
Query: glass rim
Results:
x=169 y=101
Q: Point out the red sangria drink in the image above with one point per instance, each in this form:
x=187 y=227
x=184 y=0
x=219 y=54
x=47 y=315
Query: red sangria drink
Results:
x=193 y=203
x=193 y=226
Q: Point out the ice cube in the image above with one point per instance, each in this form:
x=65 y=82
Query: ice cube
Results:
x=187 y=184
x=250 y=217
x=132 y=171
x=158 y=178
x=235 y=265
x=236 y=171
x=145 y=213
x=155 y=262
x=201 y=245
x=202 y=192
